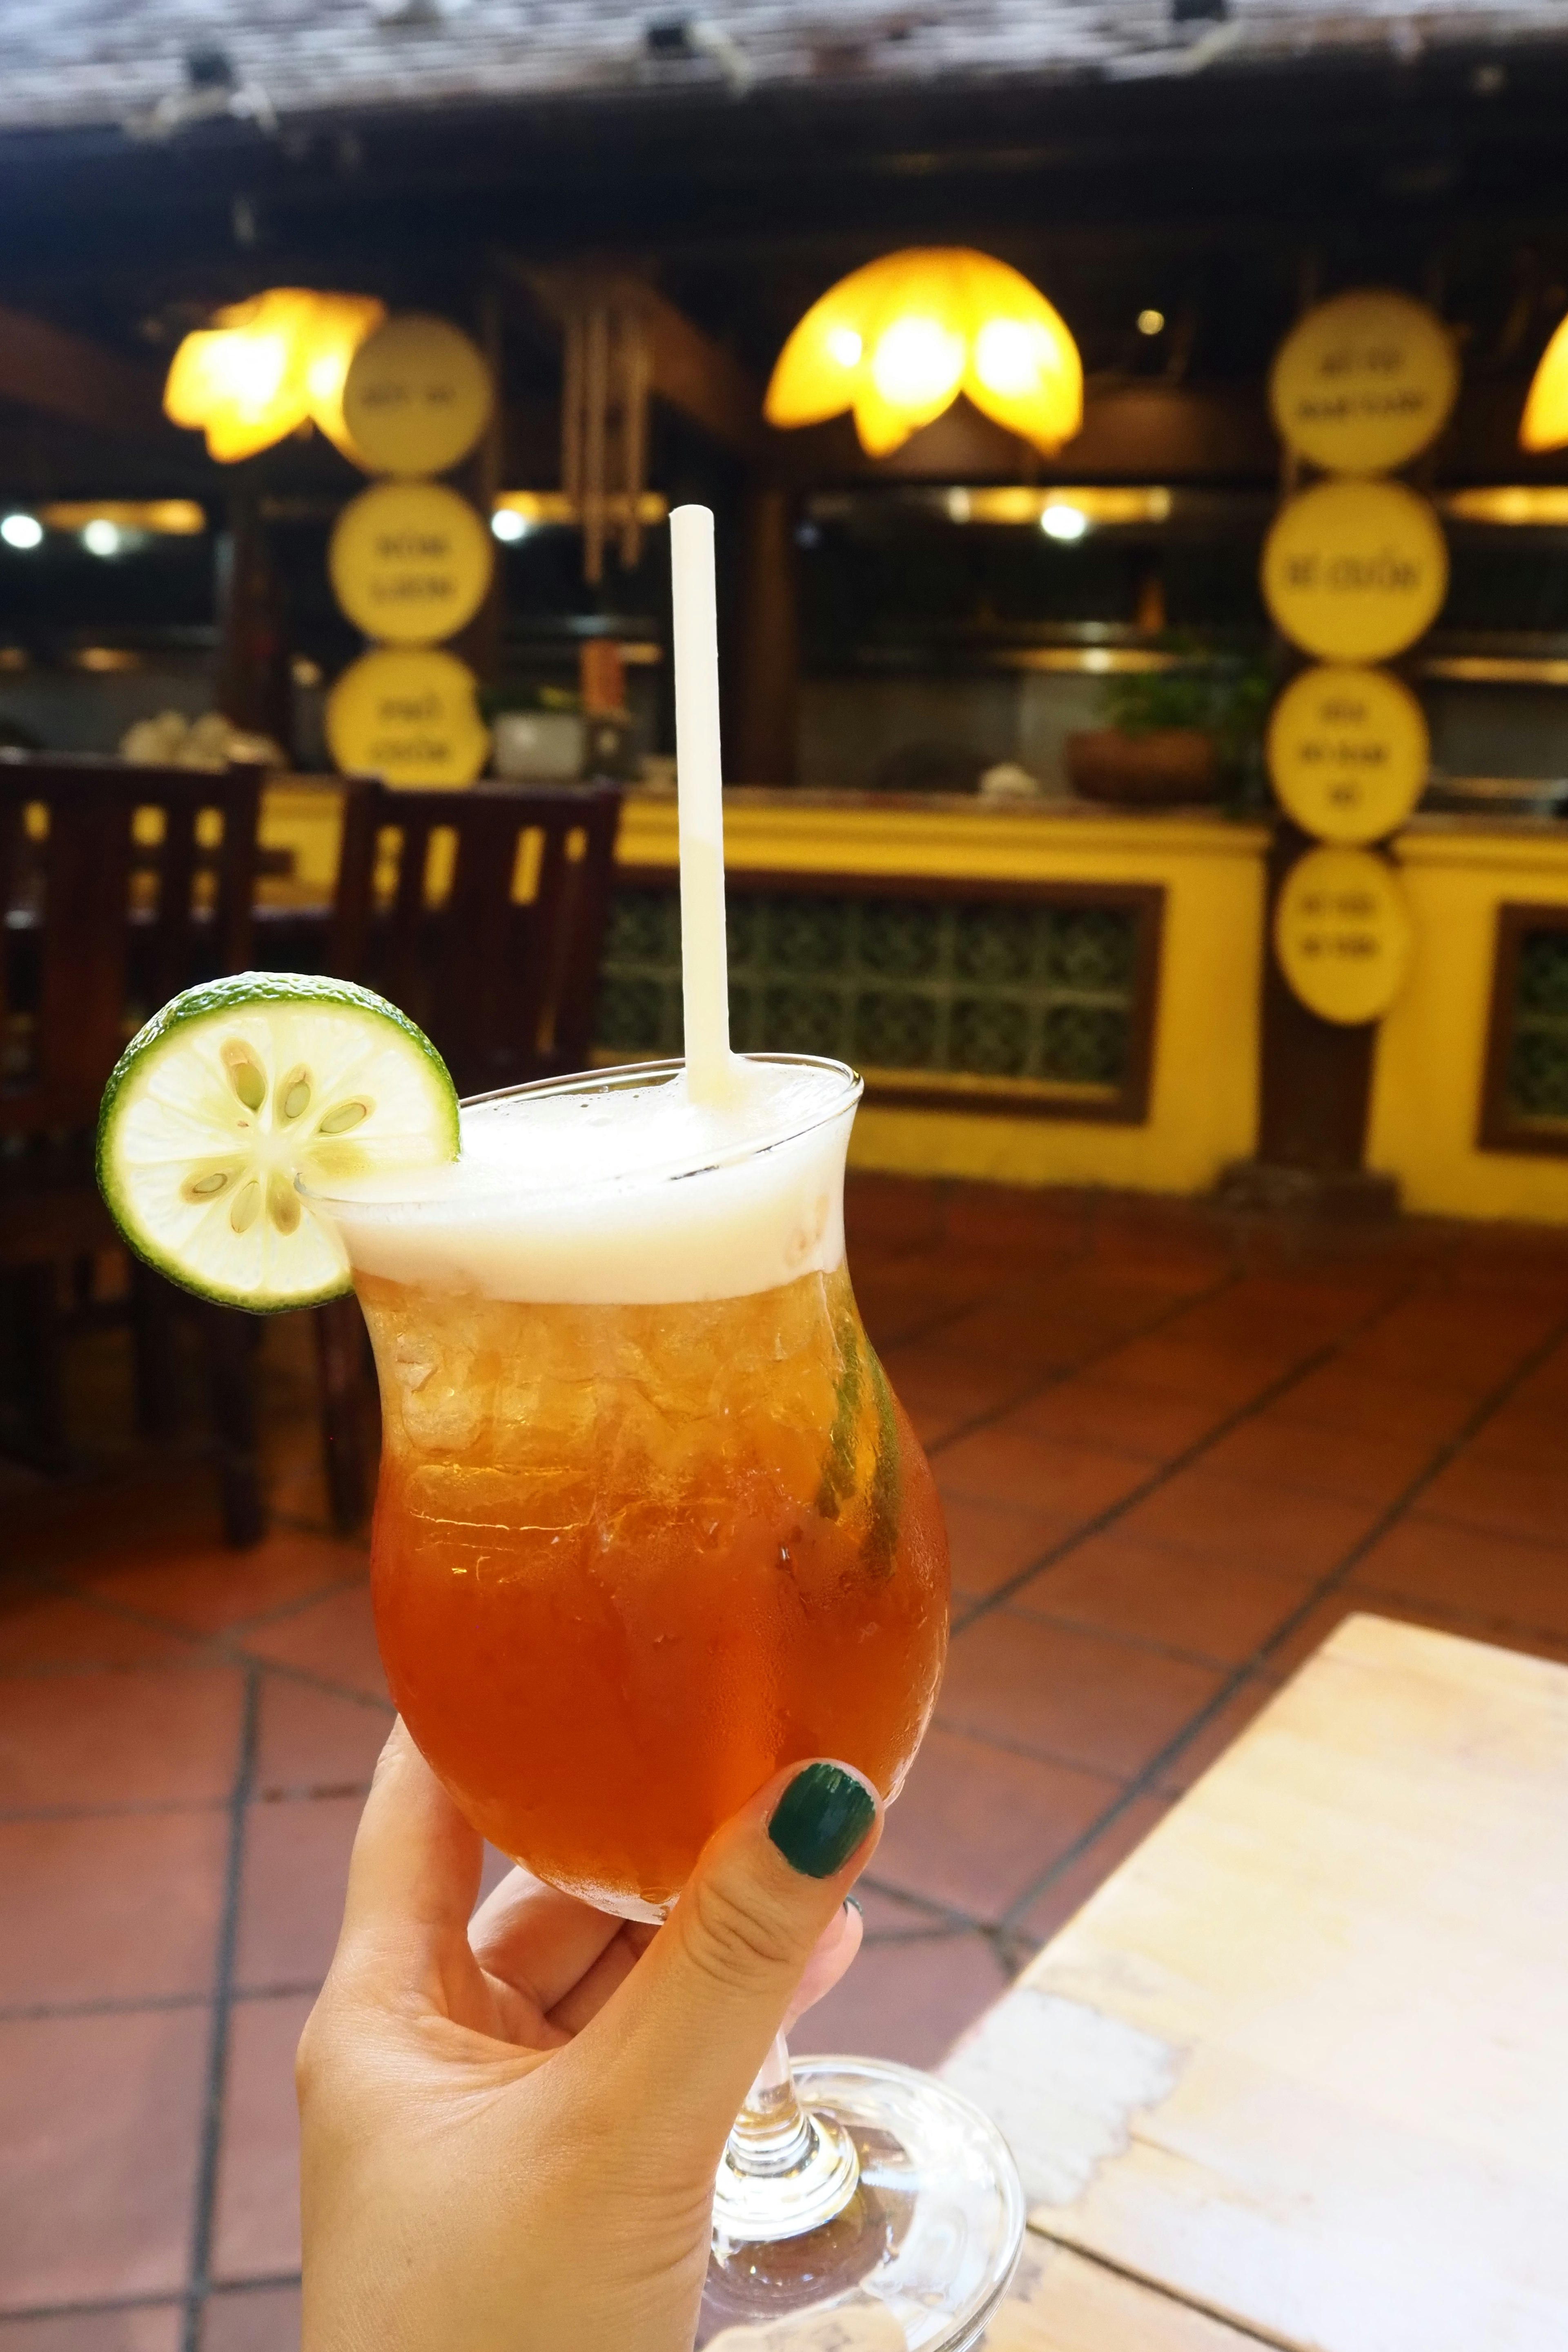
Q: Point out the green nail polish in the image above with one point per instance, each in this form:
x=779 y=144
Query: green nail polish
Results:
x=821 y=1819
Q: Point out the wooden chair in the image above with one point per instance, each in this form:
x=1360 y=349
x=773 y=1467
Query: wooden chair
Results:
x=482 y=914
x=104 y=921
x=490 y=932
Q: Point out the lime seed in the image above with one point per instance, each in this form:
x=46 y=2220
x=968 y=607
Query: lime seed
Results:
x=205 y=1188
x=282 y=1204
x=244 y=1075
x=247 y=1207
x=347 y=1115
x=294 y=1094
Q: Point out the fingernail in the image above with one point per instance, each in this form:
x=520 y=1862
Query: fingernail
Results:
x=821 y=1819
x=851 y=1904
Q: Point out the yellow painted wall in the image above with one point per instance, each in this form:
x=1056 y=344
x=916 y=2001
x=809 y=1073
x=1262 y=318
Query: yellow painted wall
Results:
x=1431 y=1048
x=1204 y=1100
x=305 y=816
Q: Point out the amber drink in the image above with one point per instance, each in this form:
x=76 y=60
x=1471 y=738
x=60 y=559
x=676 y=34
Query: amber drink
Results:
x=651 y=1523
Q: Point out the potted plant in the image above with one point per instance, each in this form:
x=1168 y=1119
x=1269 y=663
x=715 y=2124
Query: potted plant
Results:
x=1188 y=733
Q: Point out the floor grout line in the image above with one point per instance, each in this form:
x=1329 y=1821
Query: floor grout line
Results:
x=137 y=1809
x=141 y=2004
x=208 y=1651
x=163 y=2300
x=1147 y=1781
x=1143 y=1783
x=1486 y=1410
x=156 y=2300
x=1059 y=1376
x=205 y=2202
x=1317 y=1359
x=297 y=1793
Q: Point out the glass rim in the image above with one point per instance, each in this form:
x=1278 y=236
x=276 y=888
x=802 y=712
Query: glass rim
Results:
x=616 y=1077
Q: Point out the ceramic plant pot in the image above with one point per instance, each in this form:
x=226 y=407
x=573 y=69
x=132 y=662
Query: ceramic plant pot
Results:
x=539 y=747
x=1169 y=767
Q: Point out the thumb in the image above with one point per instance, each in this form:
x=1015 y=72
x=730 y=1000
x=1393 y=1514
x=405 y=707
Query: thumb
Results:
x=693 y=2022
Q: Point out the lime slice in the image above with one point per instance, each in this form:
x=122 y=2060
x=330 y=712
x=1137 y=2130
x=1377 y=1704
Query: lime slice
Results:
x=236 y=1089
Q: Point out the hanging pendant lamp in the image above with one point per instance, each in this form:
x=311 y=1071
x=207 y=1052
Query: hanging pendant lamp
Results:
x=1544 y=425
x=898 y=340
x=267 y=365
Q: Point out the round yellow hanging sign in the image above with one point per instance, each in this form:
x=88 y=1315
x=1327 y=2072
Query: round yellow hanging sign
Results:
x=1347 y=752
x=1363 y=381
x=1342 y=934
x=1354 y=571
x=417 y=396
x=409 y=717
x=409 y=561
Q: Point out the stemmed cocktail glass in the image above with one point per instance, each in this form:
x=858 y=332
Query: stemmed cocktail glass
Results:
x=652 y=1526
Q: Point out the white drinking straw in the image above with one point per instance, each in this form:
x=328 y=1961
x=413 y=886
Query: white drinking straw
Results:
x=704 y=968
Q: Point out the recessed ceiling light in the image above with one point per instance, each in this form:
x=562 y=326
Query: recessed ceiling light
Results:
x=1061 y=522
x=1150 y=322
x=22 y=530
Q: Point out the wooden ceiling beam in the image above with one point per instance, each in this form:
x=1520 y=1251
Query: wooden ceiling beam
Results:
x=44 y=367
x=687 y=369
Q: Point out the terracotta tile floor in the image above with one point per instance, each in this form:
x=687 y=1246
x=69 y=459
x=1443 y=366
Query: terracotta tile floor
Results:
x=1176 y=1448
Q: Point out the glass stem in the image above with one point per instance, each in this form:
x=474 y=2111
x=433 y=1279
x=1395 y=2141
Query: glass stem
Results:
x=785 y=2169
x=771 y=2133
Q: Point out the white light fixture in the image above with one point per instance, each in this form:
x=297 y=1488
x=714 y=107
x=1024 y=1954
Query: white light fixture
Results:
x=22 y=530
x=1150 y=322
x=1064 y=522
x=102 y=537
x=509 y=525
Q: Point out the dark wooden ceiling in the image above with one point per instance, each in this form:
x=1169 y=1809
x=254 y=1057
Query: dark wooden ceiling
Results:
x=1224 y=199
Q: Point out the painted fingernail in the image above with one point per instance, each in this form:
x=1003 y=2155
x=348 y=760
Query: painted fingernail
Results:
x=821 y=1819
x=851 y=1904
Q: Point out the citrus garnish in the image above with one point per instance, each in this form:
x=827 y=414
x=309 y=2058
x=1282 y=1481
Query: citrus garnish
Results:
x=241 y=1086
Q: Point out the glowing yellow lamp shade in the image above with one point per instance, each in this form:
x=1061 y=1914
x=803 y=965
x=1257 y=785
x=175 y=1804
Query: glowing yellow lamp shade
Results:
x=342 y=322
x=1544 y=425
x=265 y=366
x=899 y=339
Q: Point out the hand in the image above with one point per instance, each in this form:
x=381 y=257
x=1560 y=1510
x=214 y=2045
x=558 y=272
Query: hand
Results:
x=511 y=2126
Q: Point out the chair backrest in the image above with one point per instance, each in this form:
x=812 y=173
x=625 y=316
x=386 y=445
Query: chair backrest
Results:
x=109 y=911
x=490 y=934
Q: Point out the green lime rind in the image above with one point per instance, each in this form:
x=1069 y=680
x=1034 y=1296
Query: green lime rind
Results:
x=239 y=991
x=172 y=1125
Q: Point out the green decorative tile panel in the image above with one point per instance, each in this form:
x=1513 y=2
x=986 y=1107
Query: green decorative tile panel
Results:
x=1040 y=995
x=1538 y=1064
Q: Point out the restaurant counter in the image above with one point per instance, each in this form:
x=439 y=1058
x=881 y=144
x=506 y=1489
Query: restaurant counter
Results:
x=1470 y=1091
x=1057 y=993
x=1033 y=995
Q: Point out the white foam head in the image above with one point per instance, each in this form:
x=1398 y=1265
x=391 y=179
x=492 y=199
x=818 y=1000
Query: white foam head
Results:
x=617 y=1188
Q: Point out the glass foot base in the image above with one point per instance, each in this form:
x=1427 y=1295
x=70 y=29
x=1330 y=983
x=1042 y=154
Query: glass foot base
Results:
x=915 y=2260
x=758 y=2209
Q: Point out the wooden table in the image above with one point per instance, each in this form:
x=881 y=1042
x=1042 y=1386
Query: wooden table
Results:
x=1298 y=2074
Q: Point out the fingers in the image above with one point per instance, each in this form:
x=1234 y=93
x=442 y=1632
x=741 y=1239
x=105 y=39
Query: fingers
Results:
x=686 y=2033
x=609 y=1971
x=414 y=1874
x=836 y=1947
x=537 y=1940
